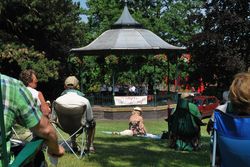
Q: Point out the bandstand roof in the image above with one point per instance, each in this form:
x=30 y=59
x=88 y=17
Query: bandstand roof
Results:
x=126 y=36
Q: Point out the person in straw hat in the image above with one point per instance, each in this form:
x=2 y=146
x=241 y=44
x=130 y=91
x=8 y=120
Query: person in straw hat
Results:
x=136 y=122
x=136 y=125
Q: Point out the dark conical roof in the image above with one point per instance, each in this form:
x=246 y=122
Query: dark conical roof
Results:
x=126 y=20
x=127 y=36
x=126 y=41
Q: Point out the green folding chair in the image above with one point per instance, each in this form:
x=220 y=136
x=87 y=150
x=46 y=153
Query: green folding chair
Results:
x=28 y=153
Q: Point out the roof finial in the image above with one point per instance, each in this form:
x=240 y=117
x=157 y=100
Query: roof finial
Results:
x=126 y=2
x=126 y=20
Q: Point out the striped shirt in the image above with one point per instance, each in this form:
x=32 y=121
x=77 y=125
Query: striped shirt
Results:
x=18 y=106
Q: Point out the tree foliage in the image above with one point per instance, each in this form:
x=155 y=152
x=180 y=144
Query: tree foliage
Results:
x=222 y=46
x=17 y=56
x=39 y=34
x=49 y=28
x=101 y=15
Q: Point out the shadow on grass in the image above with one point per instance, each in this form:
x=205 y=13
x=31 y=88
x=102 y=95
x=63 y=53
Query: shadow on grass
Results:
x=137 y=151
x=122 y=151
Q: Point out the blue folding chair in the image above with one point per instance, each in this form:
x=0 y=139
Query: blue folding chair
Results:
x=232 y=139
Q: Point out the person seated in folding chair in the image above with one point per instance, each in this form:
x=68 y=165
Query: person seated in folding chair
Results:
x=29 y=79
x=238 y=101
x=233 y=103
x=71 y=96
x=17 y=105
x=184 y=125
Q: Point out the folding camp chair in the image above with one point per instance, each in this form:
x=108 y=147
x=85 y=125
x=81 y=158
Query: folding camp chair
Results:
x=30 y=154
x=231 y=139
x=184 y=128
x=71 y=121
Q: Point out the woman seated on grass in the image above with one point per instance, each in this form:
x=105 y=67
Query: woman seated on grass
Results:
x=136 y=125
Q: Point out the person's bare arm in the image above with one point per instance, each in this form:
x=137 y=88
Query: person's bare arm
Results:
x=142 y=125
x=44 y=106
x=45 y=130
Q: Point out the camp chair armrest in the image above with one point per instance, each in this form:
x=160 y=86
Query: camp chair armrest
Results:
x=28 y=153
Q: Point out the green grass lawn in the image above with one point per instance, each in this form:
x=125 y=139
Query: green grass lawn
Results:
x=121 y=151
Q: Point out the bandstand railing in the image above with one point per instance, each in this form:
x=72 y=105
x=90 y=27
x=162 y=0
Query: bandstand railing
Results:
x=163 y=98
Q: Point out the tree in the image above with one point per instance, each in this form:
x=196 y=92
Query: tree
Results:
x=50 y=28
x=16 y=57
x=222 y=47
x=180 y=28
x=39 y=34
x=101 y=15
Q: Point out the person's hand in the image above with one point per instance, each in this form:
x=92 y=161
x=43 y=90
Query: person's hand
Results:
x=48 y=102
x=210 y=125
x=59 y=153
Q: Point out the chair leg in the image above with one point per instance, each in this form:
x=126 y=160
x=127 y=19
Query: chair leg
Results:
x=214 y=149
x=73 y=143
x=65 y=141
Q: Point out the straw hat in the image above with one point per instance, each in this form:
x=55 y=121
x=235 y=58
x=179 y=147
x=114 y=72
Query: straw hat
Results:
x=138 y=109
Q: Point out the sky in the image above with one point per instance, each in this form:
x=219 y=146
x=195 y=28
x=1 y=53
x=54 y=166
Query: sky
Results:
x=83 y=5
